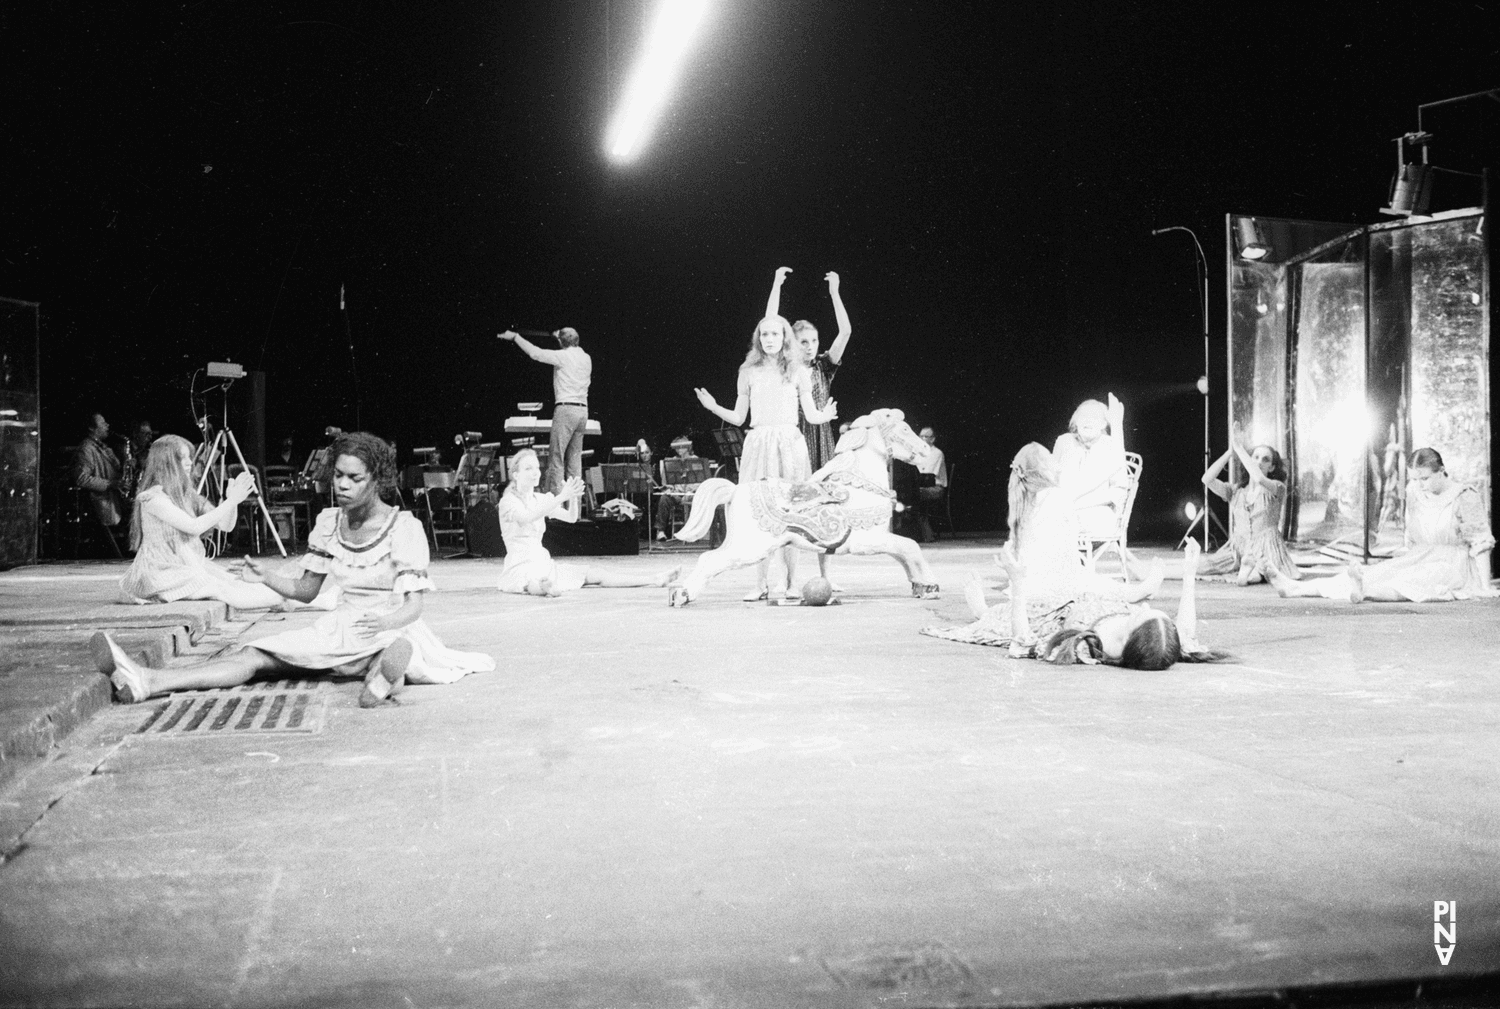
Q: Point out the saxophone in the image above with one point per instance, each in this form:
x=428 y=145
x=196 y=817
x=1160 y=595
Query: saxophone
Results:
x=128 y=472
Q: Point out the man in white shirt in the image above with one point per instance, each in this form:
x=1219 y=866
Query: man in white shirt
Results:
x=571 y=372
x=930 y=492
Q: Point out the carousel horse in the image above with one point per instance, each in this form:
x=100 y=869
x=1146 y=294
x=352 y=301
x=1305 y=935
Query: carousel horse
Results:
x=843 y=508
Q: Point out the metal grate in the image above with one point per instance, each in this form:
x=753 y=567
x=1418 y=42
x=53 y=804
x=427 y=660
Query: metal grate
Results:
x=895 y=967
x=280 y=706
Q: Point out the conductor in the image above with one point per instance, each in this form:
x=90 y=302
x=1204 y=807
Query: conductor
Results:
x=571 y=371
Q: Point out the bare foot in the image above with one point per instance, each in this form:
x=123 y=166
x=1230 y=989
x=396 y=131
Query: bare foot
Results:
x=1190 y=552
x=1008 y=560
x=974 y=596
x=1356 y=583
x=1282 y=585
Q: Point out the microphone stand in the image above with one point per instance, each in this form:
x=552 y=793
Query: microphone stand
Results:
x=1203 y=290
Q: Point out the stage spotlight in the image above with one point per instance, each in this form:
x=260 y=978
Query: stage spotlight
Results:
x=647 y=90
x=1190 y=511
x=1252 y=245
x=1411 y=191
x=1203 y=384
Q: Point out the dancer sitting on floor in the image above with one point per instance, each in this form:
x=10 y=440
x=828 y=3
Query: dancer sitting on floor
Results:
x=378 y=556
x=1255 y=549
x=1051 y=592
x=770 y=386
x=166 y=531
x=1448 y=544
x=529 y=568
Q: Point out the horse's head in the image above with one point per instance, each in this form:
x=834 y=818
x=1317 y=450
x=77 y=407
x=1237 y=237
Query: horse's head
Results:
x=886 y=433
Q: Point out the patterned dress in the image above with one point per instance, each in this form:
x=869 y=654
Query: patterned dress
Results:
x=819 y=437
x=372 y=577
x=1254 y=534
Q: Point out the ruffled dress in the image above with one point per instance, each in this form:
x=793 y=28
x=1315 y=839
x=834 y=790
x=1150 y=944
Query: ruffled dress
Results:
x=1254 y=534
x=526 y=560
x=774 y=446
x=372 y=577
x=171 y=564
x=1443 y=532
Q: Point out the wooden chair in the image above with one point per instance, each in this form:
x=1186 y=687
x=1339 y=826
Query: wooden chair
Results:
x=1093 y=547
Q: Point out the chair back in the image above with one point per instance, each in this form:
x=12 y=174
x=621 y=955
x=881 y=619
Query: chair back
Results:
x=1133 y=466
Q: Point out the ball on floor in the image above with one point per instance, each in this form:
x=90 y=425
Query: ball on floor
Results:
x=817 y=592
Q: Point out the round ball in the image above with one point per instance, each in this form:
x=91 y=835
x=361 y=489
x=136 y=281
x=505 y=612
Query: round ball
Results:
x=817 y=592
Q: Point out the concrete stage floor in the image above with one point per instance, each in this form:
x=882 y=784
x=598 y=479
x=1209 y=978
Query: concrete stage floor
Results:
x=736 y=805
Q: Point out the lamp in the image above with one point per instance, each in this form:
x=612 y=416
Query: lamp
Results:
x=1411 y=187
x=1252 y=244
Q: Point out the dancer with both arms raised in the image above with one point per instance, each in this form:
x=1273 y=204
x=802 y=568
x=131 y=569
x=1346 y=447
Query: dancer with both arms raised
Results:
x=377 y=555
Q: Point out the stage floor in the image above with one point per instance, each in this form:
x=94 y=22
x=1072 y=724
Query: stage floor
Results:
x=737 y=805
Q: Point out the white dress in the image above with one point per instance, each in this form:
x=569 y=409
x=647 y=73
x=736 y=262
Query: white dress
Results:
x=1443 y=531
x=171 y=564
x=774 y=446
x=372 y=577
x=526 y=560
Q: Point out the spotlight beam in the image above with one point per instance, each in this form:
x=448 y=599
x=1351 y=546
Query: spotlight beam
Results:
x=671 y=31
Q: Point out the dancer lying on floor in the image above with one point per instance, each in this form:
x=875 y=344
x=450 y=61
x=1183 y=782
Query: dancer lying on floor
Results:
x=377 y=555
x=167 y=528
x=1043 y=545
x=1448 y=543
x=529 y=568
x=1255 y=550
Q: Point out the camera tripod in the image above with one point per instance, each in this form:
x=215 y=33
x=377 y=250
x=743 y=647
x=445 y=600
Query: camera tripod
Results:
x=216 y=466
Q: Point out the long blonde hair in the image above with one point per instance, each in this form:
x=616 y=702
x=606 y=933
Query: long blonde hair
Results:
x=787 y=360
x=164 y=469
x=1031 y=471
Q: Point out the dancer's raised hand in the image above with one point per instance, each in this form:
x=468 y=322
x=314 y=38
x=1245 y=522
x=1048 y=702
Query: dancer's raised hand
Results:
x=781 y=272
x=572 y=488
x=241 y=487
x=508 y=335
x=833 y=282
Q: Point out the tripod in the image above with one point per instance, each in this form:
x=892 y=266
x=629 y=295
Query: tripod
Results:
x=1208 y=518
x=216 y=465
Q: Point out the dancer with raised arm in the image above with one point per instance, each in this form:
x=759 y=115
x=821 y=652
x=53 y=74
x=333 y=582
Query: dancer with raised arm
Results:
x=821 y=368
x=1091 y=459
x=377 y=555
x=529 y=567
x=167 y=528
x=1448 y=546
x=770 y=386
x=1255 y=550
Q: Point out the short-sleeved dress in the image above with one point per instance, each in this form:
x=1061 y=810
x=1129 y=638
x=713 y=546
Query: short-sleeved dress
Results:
x=171 y=564
x=1254 y=534
x=1098 y=478
x=774 y=446
x=372 y=577
x=819 y=437
x=1443 y=531
x=526 y=560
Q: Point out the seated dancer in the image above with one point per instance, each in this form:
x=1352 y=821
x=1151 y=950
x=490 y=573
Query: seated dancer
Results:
x=166 y=532
x=529 y=568
x=377 y=555
x=1052 y=593
x=770 y=386
x=1255 y=549
x=1448 y=543
x=1091 y=459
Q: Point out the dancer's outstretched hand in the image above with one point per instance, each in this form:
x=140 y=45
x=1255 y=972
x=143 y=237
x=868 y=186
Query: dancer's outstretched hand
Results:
x=833 y=409
x=833 y=282
x=508 y=335
x=241 y=487
x=706 y=398
x=572 y=487
x=252 y=571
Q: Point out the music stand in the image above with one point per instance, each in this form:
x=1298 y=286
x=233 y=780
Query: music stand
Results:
x=731 y=442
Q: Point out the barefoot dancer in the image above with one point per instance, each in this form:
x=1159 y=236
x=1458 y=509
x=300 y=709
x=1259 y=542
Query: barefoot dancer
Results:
x=770 y=386
x=167 y=530
x=377 y=555
x=1255 y=550
x=529 y=568
x=1448 y=547
x=820 y=370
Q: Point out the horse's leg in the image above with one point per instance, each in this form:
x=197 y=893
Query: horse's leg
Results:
x=737 y=552
x=906 y=552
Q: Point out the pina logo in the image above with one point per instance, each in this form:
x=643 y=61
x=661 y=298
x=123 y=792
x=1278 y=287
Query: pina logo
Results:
x=1444 y=933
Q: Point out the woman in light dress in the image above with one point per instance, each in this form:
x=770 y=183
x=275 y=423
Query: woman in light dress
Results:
x=1255 y=550
x=167 y=528
x=529 y=568
x=1056 y=609
x=1448 y=546
x=377 y=555
x=771 y=385
x=1092 y=466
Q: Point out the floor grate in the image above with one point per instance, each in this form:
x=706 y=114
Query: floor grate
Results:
x=281 y=706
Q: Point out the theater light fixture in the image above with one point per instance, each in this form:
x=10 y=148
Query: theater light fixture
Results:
x=671 y=31
x=1411 y=188
x=1252 y=244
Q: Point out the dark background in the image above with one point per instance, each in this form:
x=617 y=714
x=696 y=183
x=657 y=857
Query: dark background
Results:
x=194 y=181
